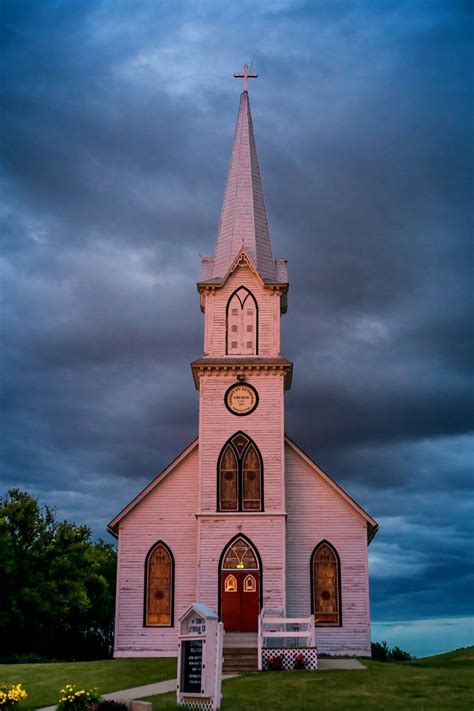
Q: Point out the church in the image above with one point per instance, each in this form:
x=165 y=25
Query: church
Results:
x=242 y=520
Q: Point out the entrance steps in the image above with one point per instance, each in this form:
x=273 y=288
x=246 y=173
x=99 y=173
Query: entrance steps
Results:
x=240 y=652
x=246 y=640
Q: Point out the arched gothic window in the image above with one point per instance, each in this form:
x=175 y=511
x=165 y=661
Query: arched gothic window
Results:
x=325 y=582
x=159 y=584
x=242 y=323
x=239 y=475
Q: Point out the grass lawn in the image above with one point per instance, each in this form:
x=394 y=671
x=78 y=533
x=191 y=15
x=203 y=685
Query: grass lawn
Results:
x=434 y=683
x=43 y=681
x=443 y=682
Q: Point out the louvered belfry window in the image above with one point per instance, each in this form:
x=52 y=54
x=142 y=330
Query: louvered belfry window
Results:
x=326 y=593
x=240 y=476
x=242 y=323
x=159 y=587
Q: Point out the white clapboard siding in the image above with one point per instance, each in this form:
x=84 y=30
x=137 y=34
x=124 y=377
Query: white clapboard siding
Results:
x=317 y=512
x=167 y=514
x=264 y=426
x=215 y=304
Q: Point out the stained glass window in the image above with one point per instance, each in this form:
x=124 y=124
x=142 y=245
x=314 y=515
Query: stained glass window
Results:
x=228 y=480
x=250 y=584
x=159 y=587
x=240 y=556
x=326 y=594
x=230 y=584
x=251 y=480
x=240 y=476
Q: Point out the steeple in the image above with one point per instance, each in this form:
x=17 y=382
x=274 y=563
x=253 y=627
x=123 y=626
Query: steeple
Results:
x=243 y=222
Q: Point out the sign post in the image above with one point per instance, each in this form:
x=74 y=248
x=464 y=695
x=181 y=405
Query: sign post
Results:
x=200 y=658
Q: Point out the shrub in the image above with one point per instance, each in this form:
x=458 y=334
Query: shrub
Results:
x=299 y=662
x=275 y=663
x=10 y=696
x=72 y=699
x=109 y=705
x=399 y=655
x=381 y=652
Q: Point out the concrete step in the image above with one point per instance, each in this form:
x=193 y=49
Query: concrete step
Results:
x=238 y=668
x=240 y=640
x=240 y=659
x=242 y=655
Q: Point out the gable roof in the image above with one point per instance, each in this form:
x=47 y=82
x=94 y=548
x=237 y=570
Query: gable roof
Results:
x=372 y=525
x=202 y=610
x=112 y=527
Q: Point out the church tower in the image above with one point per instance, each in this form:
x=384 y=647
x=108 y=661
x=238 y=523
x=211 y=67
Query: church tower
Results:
x=242 y=519
x=242 y=379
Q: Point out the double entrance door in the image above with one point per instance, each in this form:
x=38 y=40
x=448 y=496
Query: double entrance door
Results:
x=240 y=605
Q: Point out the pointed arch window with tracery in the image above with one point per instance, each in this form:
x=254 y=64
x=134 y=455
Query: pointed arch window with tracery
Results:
x=240 y=556
x=242 y=323
x=159 y=574
x=326 y=588
x=240 y=475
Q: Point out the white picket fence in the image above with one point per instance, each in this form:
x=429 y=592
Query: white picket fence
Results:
x=278 y=632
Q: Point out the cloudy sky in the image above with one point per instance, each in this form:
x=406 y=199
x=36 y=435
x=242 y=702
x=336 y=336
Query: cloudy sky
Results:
x=118 y=119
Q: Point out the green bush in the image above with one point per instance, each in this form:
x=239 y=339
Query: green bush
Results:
x=399 y=655
x=381 y=652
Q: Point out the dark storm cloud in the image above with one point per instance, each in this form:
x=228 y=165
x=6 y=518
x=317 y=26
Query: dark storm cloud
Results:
x=118 y=119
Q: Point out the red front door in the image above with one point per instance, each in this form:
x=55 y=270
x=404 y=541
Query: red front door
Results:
x=240 y=600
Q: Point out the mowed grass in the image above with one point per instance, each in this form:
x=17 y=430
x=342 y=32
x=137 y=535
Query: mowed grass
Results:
x=442 y=682
x=445 y=681
x=43 y=681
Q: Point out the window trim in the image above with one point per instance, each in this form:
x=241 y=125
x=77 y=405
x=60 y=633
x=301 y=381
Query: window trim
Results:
x=242 y=306
x=240 y=462
x=339 y=594
x=172 y=585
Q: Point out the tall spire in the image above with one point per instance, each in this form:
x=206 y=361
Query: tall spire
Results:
x=243 y=222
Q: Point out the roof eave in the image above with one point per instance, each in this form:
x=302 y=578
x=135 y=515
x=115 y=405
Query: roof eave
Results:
x=372 y=523
x=113 y=526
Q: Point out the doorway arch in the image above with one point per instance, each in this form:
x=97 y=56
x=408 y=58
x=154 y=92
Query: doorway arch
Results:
x=240 y=585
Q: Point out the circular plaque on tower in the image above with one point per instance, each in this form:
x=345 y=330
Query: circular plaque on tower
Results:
x=241 y=399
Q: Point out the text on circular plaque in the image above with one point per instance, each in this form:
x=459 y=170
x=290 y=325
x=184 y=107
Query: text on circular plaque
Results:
x=241 y=399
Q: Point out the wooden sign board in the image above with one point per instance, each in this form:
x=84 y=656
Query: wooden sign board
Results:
x=200 y=658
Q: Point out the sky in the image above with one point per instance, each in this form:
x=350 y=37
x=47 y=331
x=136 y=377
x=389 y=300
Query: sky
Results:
x=117 y=124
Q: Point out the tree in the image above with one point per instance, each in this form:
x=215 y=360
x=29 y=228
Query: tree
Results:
x=57 y=585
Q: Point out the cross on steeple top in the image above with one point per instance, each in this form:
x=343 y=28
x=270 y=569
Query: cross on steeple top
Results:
x=245 y=76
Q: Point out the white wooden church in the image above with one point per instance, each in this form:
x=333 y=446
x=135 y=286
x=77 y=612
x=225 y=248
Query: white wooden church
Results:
x=242 y=520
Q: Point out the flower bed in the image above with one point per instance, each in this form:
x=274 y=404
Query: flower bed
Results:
x=10 y=696
x=72 y=699
x=281 y=659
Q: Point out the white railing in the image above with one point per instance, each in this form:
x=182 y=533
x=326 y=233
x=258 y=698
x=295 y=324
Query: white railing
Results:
x=274 y=630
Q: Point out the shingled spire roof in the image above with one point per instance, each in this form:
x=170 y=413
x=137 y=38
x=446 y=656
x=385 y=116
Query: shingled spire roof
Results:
x=243 y=223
